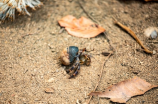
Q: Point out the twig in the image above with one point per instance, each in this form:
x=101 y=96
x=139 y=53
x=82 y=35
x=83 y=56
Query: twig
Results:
x=100 y=76
x=61 y=30
x=133 y=35
x=26 y=35
x=106 y=57
x=153 y=42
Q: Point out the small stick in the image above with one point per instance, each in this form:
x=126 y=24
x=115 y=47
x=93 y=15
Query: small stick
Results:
x=153 y=41
x=99 y=77
x=133 y=35
x=26 y=35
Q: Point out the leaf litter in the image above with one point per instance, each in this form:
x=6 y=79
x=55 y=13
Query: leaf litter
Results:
x=82 y=27
x=123 y=91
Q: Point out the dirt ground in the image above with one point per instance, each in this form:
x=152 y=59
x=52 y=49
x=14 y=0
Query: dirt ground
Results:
x=30 y=46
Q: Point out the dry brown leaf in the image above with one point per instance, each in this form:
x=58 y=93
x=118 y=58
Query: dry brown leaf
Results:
x=82 y=27
x=123 y=91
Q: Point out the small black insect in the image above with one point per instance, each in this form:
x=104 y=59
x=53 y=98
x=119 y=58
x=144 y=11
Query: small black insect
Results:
x=72 y=55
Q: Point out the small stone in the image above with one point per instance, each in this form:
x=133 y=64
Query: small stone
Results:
x=78 y=102
x=41 y=76
x=57 y=71
x=146 y=16
x=114 y=9
x=153 y=34
x=50 y=80
x=154 y=52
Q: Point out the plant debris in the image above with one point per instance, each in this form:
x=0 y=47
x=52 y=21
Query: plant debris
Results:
x=107 y=53
x=8 y=8
x=101 y=73
x=123 y=91
x=134 y=36
x=82 y=27
x=49 y=90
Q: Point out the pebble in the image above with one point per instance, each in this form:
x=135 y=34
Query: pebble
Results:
x=151 y=32
x=50 y=80
x=147 y=16
x=154 y=52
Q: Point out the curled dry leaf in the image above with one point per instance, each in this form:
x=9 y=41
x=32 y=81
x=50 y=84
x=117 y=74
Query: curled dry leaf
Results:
x=123 y=91
x=82 y=27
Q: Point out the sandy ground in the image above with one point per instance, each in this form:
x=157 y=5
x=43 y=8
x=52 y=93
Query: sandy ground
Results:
x=30 y=46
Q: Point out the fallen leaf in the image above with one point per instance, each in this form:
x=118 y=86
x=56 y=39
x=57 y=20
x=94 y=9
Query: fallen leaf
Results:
x=123 y=91
x=82 y=27
x=49 y=90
